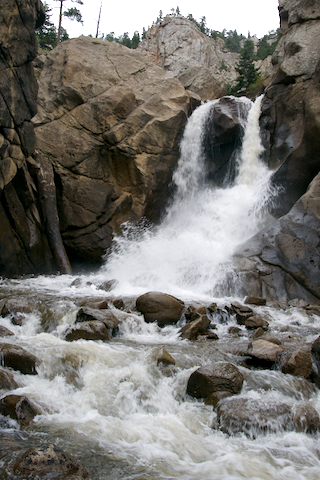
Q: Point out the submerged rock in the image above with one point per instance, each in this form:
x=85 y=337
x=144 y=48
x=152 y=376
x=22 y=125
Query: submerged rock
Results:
x=214 y=378
x=254 y=416
x=160 y=307
x=48 y=459
x=18 y=359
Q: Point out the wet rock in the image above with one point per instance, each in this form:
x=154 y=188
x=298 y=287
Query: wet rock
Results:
x=7 y=382
x=212 y=307
x=160 y=307
x=315 y=352
x=195 y=328
x=256 y=322
x=118 y=303
x=100 y=305
x=19 y=408
x=255 y=301
x=242 y=312
x=306 y=418
x=215 y=397
x=108 y=285
x=165 y=358
x=76 y=282
x=258 y=333
x=48 y=459
x=252 y=416
x=87 y=314
x=208 y=379
x=17 y=309
x=297 y=363
x=94 y=330
x=235 y=331
x=14 y=306
x=194 y=312
x=212 y=336
x=263 y=352
x=5 y=332
x=237 y=307
x=18 y=359
x=274 y=340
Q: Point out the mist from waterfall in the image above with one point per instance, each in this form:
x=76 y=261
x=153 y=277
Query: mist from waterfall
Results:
x=189 y=253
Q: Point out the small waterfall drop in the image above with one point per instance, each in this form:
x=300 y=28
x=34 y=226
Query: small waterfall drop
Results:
x=188 y=253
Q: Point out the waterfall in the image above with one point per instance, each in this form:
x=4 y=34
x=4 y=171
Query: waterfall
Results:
x=187 y=254
x=111 y=404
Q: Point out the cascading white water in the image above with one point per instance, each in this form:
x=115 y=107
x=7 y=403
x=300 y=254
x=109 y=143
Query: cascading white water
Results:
x=187 y=254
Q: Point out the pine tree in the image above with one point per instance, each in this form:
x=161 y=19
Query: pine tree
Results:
x=72 y=13
x=47 y=34
x=248 y=74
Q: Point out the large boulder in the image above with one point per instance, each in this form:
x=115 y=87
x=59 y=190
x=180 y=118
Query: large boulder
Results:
x=219 y=377
x=291 y=106
x=160 y=307
x=24 y=247
x=110 y=122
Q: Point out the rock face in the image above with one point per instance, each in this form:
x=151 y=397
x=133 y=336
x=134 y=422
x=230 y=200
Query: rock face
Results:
x=200 y=62
x=282 y=262
x=223 y=138
x=291 y=107
x=23 y=245
x=110 y=121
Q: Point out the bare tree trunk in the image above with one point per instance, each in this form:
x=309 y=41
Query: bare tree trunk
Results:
x=60 y=22
x=98 y=21
x=47 y=190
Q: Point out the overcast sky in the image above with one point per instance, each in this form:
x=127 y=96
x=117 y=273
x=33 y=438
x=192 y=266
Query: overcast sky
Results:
x=256 y=16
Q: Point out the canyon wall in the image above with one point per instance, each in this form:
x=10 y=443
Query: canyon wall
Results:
x=24 y=246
